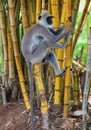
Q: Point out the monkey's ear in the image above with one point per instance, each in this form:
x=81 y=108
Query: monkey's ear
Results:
x=70 y=18
x=39 y=17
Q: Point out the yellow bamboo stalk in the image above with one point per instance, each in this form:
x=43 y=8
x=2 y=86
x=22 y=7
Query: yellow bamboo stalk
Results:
x=58 y=83
x=38 y=9
x=74 y=14
x=29 y=11
x=60 y=56
x=78 y=30
x=49 y=6
x=16 y=53
x=10 y=57
x=24 y=15
x=10 y=52
x=43 y=5
x=68 y=64
x=38 y=77
x=75 y=88
x=55 y=13
x=32 y=12
x=5 y=47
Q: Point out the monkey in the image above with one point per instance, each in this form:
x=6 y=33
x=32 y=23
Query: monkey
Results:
x=39 y=38
x=35 y=44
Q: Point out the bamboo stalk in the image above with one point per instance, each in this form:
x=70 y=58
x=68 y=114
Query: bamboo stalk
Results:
x=67 y=64
x=32 y=12
x=49 y=6
x=86 y=18
x=76 y=88
x=10 y=52
x=17 y=10
x=5 y=47
x=28 y=11
x=78 y=65
x=86 y=86
x=60 y=56
x=78 y=30
x=54 y=6
x=44 y=105
x=24 y=15
x=2 y=88
x=74 y=14
x=16 y=53
x=55 y=13
x=38 y=11
x=38 y=77
x=43 y=5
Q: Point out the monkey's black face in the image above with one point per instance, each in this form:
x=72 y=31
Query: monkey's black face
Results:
x=49 y=20
x=39 y=17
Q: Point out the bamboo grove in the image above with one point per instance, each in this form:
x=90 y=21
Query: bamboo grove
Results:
x=16 y=16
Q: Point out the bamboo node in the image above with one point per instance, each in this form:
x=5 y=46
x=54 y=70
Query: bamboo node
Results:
x=66 y=104
x=60 y=60
x=58 y=90
x=67 y=86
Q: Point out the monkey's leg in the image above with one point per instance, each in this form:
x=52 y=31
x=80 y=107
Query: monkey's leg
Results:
x=51 y=58
x=30 y=67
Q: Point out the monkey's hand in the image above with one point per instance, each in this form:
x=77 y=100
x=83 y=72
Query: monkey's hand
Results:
x=61 y=29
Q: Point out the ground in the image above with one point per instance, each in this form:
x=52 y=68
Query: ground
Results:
x=15 y=117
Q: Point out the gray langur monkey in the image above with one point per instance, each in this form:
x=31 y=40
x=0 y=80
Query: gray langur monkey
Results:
x=35 y=44
x=39 y=38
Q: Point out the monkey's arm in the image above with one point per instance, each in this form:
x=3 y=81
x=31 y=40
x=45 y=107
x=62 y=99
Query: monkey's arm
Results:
x=58 y=45
x=58 y=31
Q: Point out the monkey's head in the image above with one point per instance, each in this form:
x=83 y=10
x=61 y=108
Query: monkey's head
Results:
x=46 y=20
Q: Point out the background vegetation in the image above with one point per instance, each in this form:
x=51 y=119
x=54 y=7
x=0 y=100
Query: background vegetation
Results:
x=16 y=16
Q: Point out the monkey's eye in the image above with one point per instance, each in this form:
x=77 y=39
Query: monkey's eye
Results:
x=39 y=17
x=49 y=20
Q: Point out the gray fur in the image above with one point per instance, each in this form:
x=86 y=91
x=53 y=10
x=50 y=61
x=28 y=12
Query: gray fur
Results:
x=38 y=39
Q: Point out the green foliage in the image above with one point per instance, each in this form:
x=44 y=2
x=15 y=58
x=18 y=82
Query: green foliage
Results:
x=82 y=41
